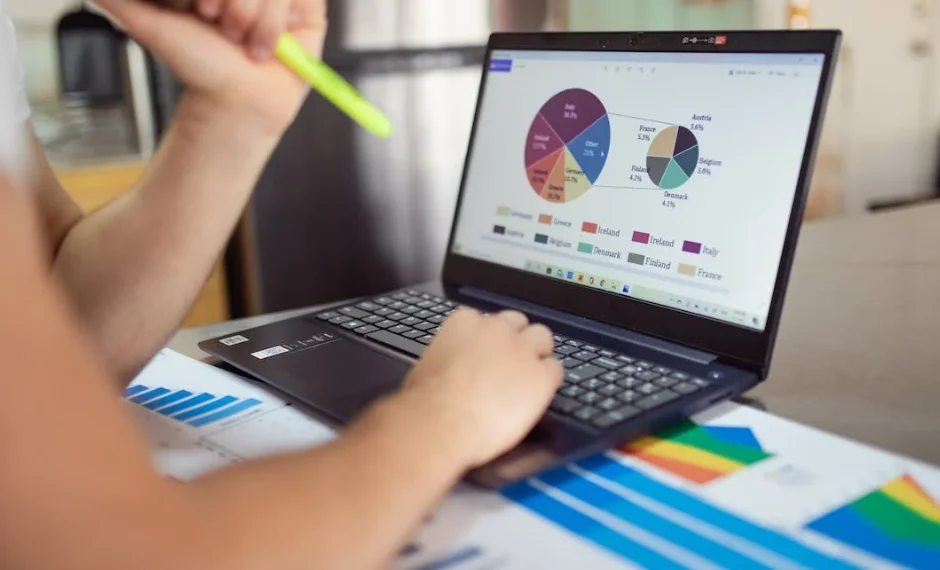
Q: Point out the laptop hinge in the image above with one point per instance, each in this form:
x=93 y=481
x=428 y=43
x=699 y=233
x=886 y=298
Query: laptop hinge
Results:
x=592 y=326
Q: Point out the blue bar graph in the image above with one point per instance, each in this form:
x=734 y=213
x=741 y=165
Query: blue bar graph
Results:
x=225 y=412
x=643 y=517
x=197 y=410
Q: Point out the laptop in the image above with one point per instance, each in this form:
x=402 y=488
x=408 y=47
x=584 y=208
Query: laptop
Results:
x=639 y=193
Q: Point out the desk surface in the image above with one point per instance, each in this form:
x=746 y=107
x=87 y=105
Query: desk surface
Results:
x=859 y=347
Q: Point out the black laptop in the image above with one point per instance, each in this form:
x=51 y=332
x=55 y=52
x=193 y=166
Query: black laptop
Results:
x=640 y=193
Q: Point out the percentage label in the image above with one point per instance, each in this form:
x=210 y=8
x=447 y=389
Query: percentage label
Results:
x=570 y=115
x=588 y=152
x=698 y=127
x=636 y=178
x=669 y=204
x=705 y=171
x=539 y=146
x=643 y=137
x=573 y=179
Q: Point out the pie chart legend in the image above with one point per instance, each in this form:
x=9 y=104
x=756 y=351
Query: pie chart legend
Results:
x=567 y=146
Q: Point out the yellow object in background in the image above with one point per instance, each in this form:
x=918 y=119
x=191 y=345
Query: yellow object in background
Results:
x=799 y=14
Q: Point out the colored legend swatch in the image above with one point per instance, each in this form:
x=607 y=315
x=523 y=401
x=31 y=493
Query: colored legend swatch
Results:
x=541 y=238
x=184 y=406
x=636 y=258
x=499 y=230
x=686 y=269
x=585 y=247
x=589 y=228
x=503 y=211
x=545 y=219
x=700 y=454
x=899 y=522
x=692 y=247
x=641 y=237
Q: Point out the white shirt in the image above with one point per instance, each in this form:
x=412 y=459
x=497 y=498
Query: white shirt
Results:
x=14 y=108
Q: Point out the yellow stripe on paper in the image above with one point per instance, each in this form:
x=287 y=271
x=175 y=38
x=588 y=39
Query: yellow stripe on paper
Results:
x=685 y=454
x=902 y=491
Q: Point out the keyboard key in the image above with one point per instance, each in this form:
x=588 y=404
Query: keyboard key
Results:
x=647 y=389
x=340 y=320
x=426 y=339
x=610 y=390
x=611 y=377
x=585 y=355
x=386 y=324
x=383 y=312
x=647 y=375
x=607 y=353
x=413 y=334
x=686 y=388
x=573 y=343
x=644 y=364
x=615 y=417
x=559 y=339
x=699 y=382
x=680 y=376
x=368 y=306
x=589 y=347
x=564 y=405
x=397 y=316
x=383 y=301
x=571 y=363
x=662 y=370
x=657 y=400
x=435 y=330
x=590 y=397
x=629 y=370
x=625 y=358
x=400 y=296
x=608 y=404
x=572 y=391
x=353 y=325
x=425 y=326
x=666 y=381
x=438 y=319
x=450 y=304
x=425 y=304
x=592 y=383
x=372 y=319
x=440 y=309
x=424 y=314
x=629 y=382
x=410 y=309
x=566 y=350
x=354 y=312
x=397 y=305
x=628 y=396
x=426 y=296
x=585 y=371
x=413 y=300
x=411 y=321
x=397 y=342
x=606 y=363
x=398 y=329
x=327 y=315
x=586 y=413
x=366 y=329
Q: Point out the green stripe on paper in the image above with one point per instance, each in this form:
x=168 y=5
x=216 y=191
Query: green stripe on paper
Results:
x=894 y=519
x=691 y=434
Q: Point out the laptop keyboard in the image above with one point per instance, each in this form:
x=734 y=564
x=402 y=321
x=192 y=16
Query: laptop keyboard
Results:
x=601 y=387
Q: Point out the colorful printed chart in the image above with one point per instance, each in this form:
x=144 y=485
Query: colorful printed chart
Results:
x=700 y=454
x=567 y=146
x=899 y=522
x=672 y=157
x=197 y=410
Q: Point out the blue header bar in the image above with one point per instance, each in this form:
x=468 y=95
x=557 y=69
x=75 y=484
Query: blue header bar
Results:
x=808 y=59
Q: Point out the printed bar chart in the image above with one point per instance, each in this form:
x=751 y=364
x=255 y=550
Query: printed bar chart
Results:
x=197 y=410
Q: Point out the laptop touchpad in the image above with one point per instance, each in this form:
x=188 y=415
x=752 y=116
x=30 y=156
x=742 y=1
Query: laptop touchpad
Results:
x=339 y=378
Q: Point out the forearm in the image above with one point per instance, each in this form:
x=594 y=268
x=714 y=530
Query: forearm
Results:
x=352 y=504
x=134 y=268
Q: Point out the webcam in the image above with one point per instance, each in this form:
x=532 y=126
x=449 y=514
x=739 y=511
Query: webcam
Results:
x=635 y=40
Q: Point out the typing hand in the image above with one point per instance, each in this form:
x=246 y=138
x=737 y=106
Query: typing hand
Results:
x=223 y=51
x=488 y=378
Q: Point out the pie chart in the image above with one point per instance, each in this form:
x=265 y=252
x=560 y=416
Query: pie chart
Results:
x=567 y=145
x=672 y=157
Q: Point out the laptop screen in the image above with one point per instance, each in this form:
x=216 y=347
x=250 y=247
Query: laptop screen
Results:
x=665 y=177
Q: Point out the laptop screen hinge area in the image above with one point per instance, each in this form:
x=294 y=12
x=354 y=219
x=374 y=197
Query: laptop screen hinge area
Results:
x=590 y=325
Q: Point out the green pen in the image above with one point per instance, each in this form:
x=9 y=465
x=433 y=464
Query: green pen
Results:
x=320 y=76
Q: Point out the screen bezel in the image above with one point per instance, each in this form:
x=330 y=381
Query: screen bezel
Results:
x=749 y=348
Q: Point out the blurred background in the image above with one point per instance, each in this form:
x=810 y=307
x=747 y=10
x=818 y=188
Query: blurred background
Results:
x=338 y=214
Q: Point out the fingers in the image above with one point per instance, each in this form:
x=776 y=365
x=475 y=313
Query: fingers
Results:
x=238 y=17
x=516 y=320
x=539 y=339
x=553 y=370
x=209 y=9
x=270 y=25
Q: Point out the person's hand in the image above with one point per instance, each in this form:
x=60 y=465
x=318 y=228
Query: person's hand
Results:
x=489 y=378
x=223 y=51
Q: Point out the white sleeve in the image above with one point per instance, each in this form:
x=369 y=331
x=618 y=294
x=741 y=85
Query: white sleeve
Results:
x=14 y=108
x=16 y=73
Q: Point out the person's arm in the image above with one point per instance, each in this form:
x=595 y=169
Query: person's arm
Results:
x=134 y=268
x=78 y=490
